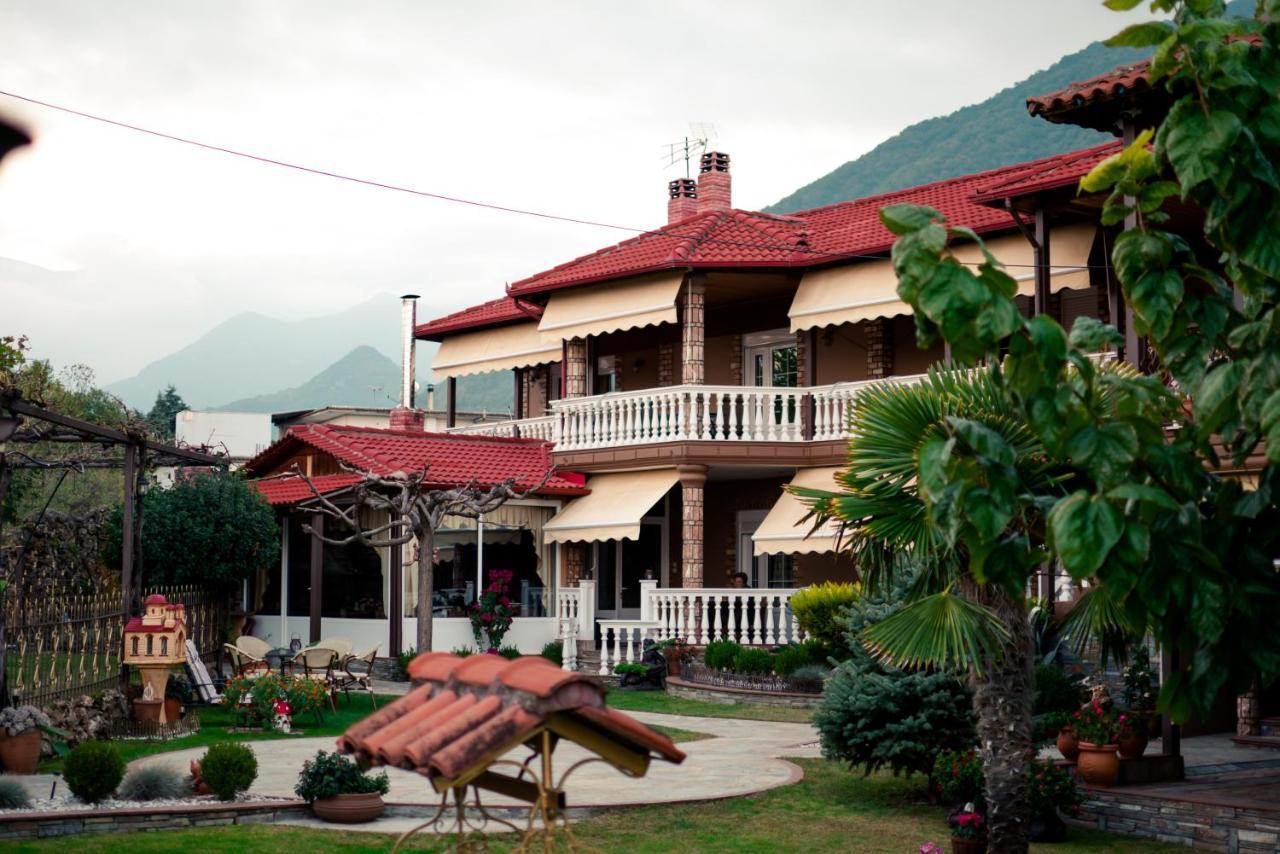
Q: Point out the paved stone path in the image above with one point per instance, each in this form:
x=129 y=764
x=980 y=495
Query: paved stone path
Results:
x=743 y=757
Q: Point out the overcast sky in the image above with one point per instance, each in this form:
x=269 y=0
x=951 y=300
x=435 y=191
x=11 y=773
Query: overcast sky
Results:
x=117 y=248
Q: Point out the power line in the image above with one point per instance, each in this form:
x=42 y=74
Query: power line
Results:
x=773 y=244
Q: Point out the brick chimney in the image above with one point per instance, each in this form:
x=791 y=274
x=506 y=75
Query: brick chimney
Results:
x=684 y=199
x=715 y=192
x=406 y=416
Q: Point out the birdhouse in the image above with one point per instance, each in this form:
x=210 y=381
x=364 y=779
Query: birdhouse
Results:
x=159 y=636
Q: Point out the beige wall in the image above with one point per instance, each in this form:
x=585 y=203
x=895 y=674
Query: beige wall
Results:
x=842 y=353
x=907 y=357
x=719 y=353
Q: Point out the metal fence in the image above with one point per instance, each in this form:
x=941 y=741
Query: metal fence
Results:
x=65 y=642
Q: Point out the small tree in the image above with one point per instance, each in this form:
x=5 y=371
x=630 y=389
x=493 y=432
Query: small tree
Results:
x=163 y=416
x=212 y=529
x=414 y=510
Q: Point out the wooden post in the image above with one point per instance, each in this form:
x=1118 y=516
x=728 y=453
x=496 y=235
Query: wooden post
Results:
x=451 y=410
x=1132 y=345
x=129 y=538
x=317 y=575
x=1043 y=268
x=395 y=601
x=1170 y=732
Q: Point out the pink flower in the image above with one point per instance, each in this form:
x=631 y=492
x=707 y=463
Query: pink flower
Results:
x=503 y=600
x=486 y=618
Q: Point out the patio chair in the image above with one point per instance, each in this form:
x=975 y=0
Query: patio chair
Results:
x=317 y=663
x=341 y=646
x=357 y=672
x=208 y=690
x=256 y=647
x=244 y=664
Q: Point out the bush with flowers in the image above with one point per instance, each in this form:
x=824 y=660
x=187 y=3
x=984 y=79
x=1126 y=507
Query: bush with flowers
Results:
x=1140 y=686
x=1050 y=788
x=957 y=776
x=968 y=824
x=259 y=695
x=1097 y=725
x=492 y=613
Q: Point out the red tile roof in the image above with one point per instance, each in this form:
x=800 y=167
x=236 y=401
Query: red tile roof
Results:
x=1118 y=81
x=1065 y=170
x=498 y=312
x=467 y=709
x=291 y=489
x=451 y=459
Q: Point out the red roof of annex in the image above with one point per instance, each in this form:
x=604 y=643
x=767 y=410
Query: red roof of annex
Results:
x=450 y=459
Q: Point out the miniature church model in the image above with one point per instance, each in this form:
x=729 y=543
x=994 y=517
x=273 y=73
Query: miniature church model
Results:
x=156 y=642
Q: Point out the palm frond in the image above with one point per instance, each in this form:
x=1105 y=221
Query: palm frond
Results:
x=941 y=630
x=1097 y=618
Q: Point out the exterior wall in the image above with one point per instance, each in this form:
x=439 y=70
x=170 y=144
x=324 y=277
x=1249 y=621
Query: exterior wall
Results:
x=243 y=434
x=817 y=568
x=1182 y=822
x=908 y=359
x=527 y=633
x=841 y=353
x=722 y=352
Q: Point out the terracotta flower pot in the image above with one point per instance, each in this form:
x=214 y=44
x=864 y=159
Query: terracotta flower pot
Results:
x=1067 y=744
x=960 y=845
x=1098 y=764
x=1134 y=744
x=349 y=809
x=20 y=754
x=172 y=710
x=147 y=710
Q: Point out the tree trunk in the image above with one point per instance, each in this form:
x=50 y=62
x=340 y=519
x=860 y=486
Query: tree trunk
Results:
x=1002 y=704
x=426 y=577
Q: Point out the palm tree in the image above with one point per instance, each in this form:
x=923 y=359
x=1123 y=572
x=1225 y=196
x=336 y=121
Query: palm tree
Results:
x=894 y=514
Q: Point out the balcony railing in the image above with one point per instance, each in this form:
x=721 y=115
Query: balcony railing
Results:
x=527 y=428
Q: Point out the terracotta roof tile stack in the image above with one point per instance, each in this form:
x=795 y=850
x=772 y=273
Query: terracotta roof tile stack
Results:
x=1118 y=81
x=467 y=711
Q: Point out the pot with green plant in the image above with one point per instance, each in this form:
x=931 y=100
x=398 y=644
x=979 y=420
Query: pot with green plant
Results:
x=177 y=696
x=968 y=831
x=1098 y=729
x=339 y=791
x=21 y=729
x=1140 y=691
x=1065 y=740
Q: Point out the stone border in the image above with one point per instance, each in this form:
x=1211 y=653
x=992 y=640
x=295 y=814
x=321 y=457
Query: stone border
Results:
x=735 y=696
x=42 y=825
x=1181 y=820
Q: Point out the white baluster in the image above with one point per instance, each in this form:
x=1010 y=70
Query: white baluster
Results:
x=766 y=635
x=759 y=432
x=704 y=629
x=605 y=665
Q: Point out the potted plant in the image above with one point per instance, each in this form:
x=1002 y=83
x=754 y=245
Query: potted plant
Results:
x=968 y=832
x=492 y=613
x=1066 y=741
x=1098 y=729
x=177 y=695
x=20 y=735
x=339 y=791
x=1139 y=698
x=1050 y=790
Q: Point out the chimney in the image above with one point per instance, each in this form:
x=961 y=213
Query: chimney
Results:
x=684 y=199
x=714 y=188
x=405 y=416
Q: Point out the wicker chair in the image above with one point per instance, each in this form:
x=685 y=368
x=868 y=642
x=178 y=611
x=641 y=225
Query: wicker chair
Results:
x=242 y=663
x=317 y=663
x=340 y=646
x=357 y=672
x=256 y=647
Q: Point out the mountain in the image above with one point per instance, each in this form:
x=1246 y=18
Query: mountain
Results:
x=251 y=354
x=363 y=377
x=994 y=132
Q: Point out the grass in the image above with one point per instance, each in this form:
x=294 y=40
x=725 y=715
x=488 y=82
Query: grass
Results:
x=217 y=721
x=654 y=701
x=832 y=809
x=680 y=735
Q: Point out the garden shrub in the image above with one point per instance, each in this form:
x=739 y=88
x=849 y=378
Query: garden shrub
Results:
x=875 y=717
x=228 y=769
x=462 y=651
x=330 y=774
x=1050 y=788
x=792 y=657
x=405 y=657
x=1055 y=691
x=553 y=651
x=154 y=783
x=630 y=667
x=811 y=671
x=13 y=795
x=817 y=609
x=719 y=654
x=754 y=661
x=957 y=774
x=304 y=695
x=93 y=770
x=509 y=652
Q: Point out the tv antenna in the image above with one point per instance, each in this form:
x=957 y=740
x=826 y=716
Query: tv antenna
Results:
x=700 y=136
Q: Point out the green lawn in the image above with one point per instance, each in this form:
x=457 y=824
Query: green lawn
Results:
x=832 y=809
x=655 y=701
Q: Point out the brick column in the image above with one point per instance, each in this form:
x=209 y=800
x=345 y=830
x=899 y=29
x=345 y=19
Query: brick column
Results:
x=802 y=358
x=573 y=562
x=735 y=361
x=879 y=348
x=575 y=367
x=693 y=479
x=1249 y=712
x=666 y=364
x=693 y=349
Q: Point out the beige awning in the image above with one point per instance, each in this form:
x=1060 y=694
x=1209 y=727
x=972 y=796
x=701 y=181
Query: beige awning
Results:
x=869 y=290
x=611 y=307
x=500 y=349
x=782 y=532
x=614 y=508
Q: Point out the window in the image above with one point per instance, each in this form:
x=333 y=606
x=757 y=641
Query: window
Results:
x=150 y=644
x=164 y=646
x=135 y=645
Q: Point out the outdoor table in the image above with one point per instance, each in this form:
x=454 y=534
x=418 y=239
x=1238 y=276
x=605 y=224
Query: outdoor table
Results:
x=280 y=654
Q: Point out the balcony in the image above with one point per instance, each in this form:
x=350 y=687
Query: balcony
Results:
x=691 y=413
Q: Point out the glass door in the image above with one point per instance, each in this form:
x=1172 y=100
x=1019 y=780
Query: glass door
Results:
x=622 y=564
x=770 y=359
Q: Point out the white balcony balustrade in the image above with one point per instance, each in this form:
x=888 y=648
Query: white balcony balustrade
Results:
x=524 y=428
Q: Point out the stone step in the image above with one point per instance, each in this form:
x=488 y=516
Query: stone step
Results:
x=1269 y=727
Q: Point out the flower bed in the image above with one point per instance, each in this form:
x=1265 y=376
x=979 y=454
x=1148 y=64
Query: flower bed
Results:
x=703 y=675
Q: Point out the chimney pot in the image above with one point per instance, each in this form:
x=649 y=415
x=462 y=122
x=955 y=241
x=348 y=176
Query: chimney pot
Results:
x=683 y=201
x=715 y=189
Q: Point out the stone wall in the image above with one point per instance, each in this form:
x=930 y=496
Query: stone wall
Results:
x=734 y=696
x=1207 y=826
x=66 y=823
